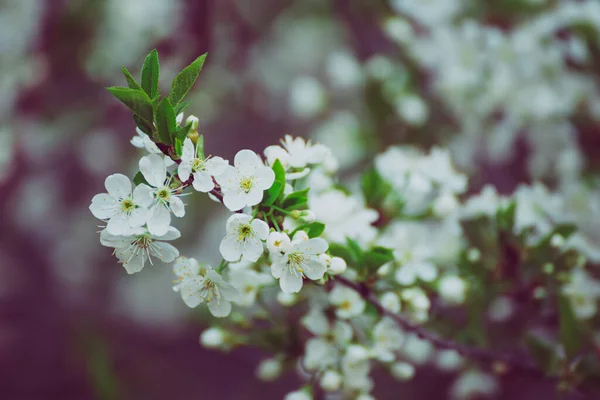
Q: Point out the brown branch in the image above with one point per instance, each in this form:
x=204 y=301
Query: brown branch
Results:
x=475 y=353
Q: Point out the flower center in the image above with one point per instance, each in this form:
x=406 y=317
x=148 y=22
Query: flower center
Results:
x=244 y=231
x=209 y=291
x=247 y=183
x=345 y=305
x=296 y=262
x=198 y=165
x=142 y=241
x=127 y=206
x=163 y=194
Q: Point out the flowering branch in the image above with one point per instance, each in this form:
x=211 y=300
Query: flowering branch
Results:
x=475 y=353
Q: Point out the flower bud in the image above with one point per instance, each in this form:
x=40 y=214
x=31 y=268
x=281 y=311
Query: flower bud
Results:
x=338 y=266
x=298 y=395
x=213 y=338
x=557 y=241
x=269 y=369
x=473 y=255
x=194 y=122
x=301 y=236
x=326 y=258
x=356 y=353
x=331 y=381
x=403 y=371
x=308 y=216
x=452 y=289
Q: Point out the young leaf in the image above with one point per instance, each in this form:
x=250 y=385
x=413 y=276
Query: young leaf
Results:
x=143 y=125
x=355 y=249
x=296 y=200
x=181 y=107
x=136 y=100
x=150 y=72
x=374 y=188
x=276 y=190
x=181 y=132
x=184 y=81
x=315 y=229
x=131 y=82
x=376 y=257
x=165 y=121
x=178 y=147
x=337 y=250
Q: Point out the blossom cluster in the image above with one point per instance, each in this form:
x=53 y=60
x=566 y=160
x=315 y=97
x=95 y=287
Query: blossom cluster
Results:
x=364 y=269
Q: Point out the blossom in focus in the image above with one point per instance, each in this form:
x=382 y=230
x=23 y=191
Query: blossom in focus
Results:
x=124 y=209
x=166 y=198
x=140 y=246
x=243 y=184
x=202 y=169
x=244 y=238
x=301 y=260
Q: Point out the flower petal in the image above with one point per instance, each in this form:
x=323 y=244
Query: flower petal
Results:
x=405 y=275
x=231 y=248
x=219 y=307
x=118 y=225
x=143 y=195
x=235 y=201
x=164 y=251
x=177 y=206
x=277 y=267
x=264 y=178
x=137 y=217
x=171 y=234
x=118 y=186
x=254 y=196
x=234 y=222
x=216 y=166
x=260 y=228
x=184 y=170
x=253 y=250
x=290 y=283
x=104 y=206
x=312 y=246
x=203 y=182
x=154 y=170
x=134 y=264
x=187 y=152
x=229 y=179
x=246 y=160
x=315 y=269
x=158 y=220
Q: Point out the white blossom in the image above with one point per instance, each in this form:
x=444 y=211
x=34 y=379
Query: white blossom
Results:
x=124 y=209
x=243 y=184
x=244 y=238
x=387 y=339
x=248 y=282
x=584 y=293
x=348 y=302
x=301 y=260
x=202 y=169
x=166 y=199
x=135 y=249
x=198 y=284
x=325 y=349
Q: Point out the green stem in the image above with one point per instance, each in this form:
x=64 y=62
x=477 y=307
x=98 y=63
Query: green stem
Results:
x=281 y=210
x=275 y=223
x=222 y=265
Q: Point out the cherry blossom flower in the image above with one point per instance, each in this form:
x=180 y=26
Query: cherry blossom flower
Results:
x=244 y=184
x=202 y=169
x=123 y=209
x=244 y=238
x=166 y=198
x=135 y=249
x=301 y=260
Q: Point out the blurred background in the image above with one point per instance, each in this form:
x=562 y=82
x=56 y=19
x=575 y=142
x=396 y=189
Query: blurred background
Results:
x=510 y=86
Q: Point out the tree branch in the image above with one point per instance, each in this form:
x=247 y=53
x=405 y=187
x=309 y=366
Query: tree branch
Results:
x=478 y=354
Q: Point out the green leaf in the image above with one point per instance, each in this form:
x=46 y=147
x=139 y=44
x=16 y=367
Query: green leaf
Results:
x=315 y=229
x=355 y=249
x=165 y=121
x=139 y=179
x=181 y=107
x=143 y=125
x=276 y=190
x=181 y=132
x=505 y=217
x=374 y=188
x=136 y=100
x=131 y=82
x=178 y=147
x=376 y=257
x=150 y=72
x=570 y=332
x=337 y=250
x=184 y=81
x=296 y=200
